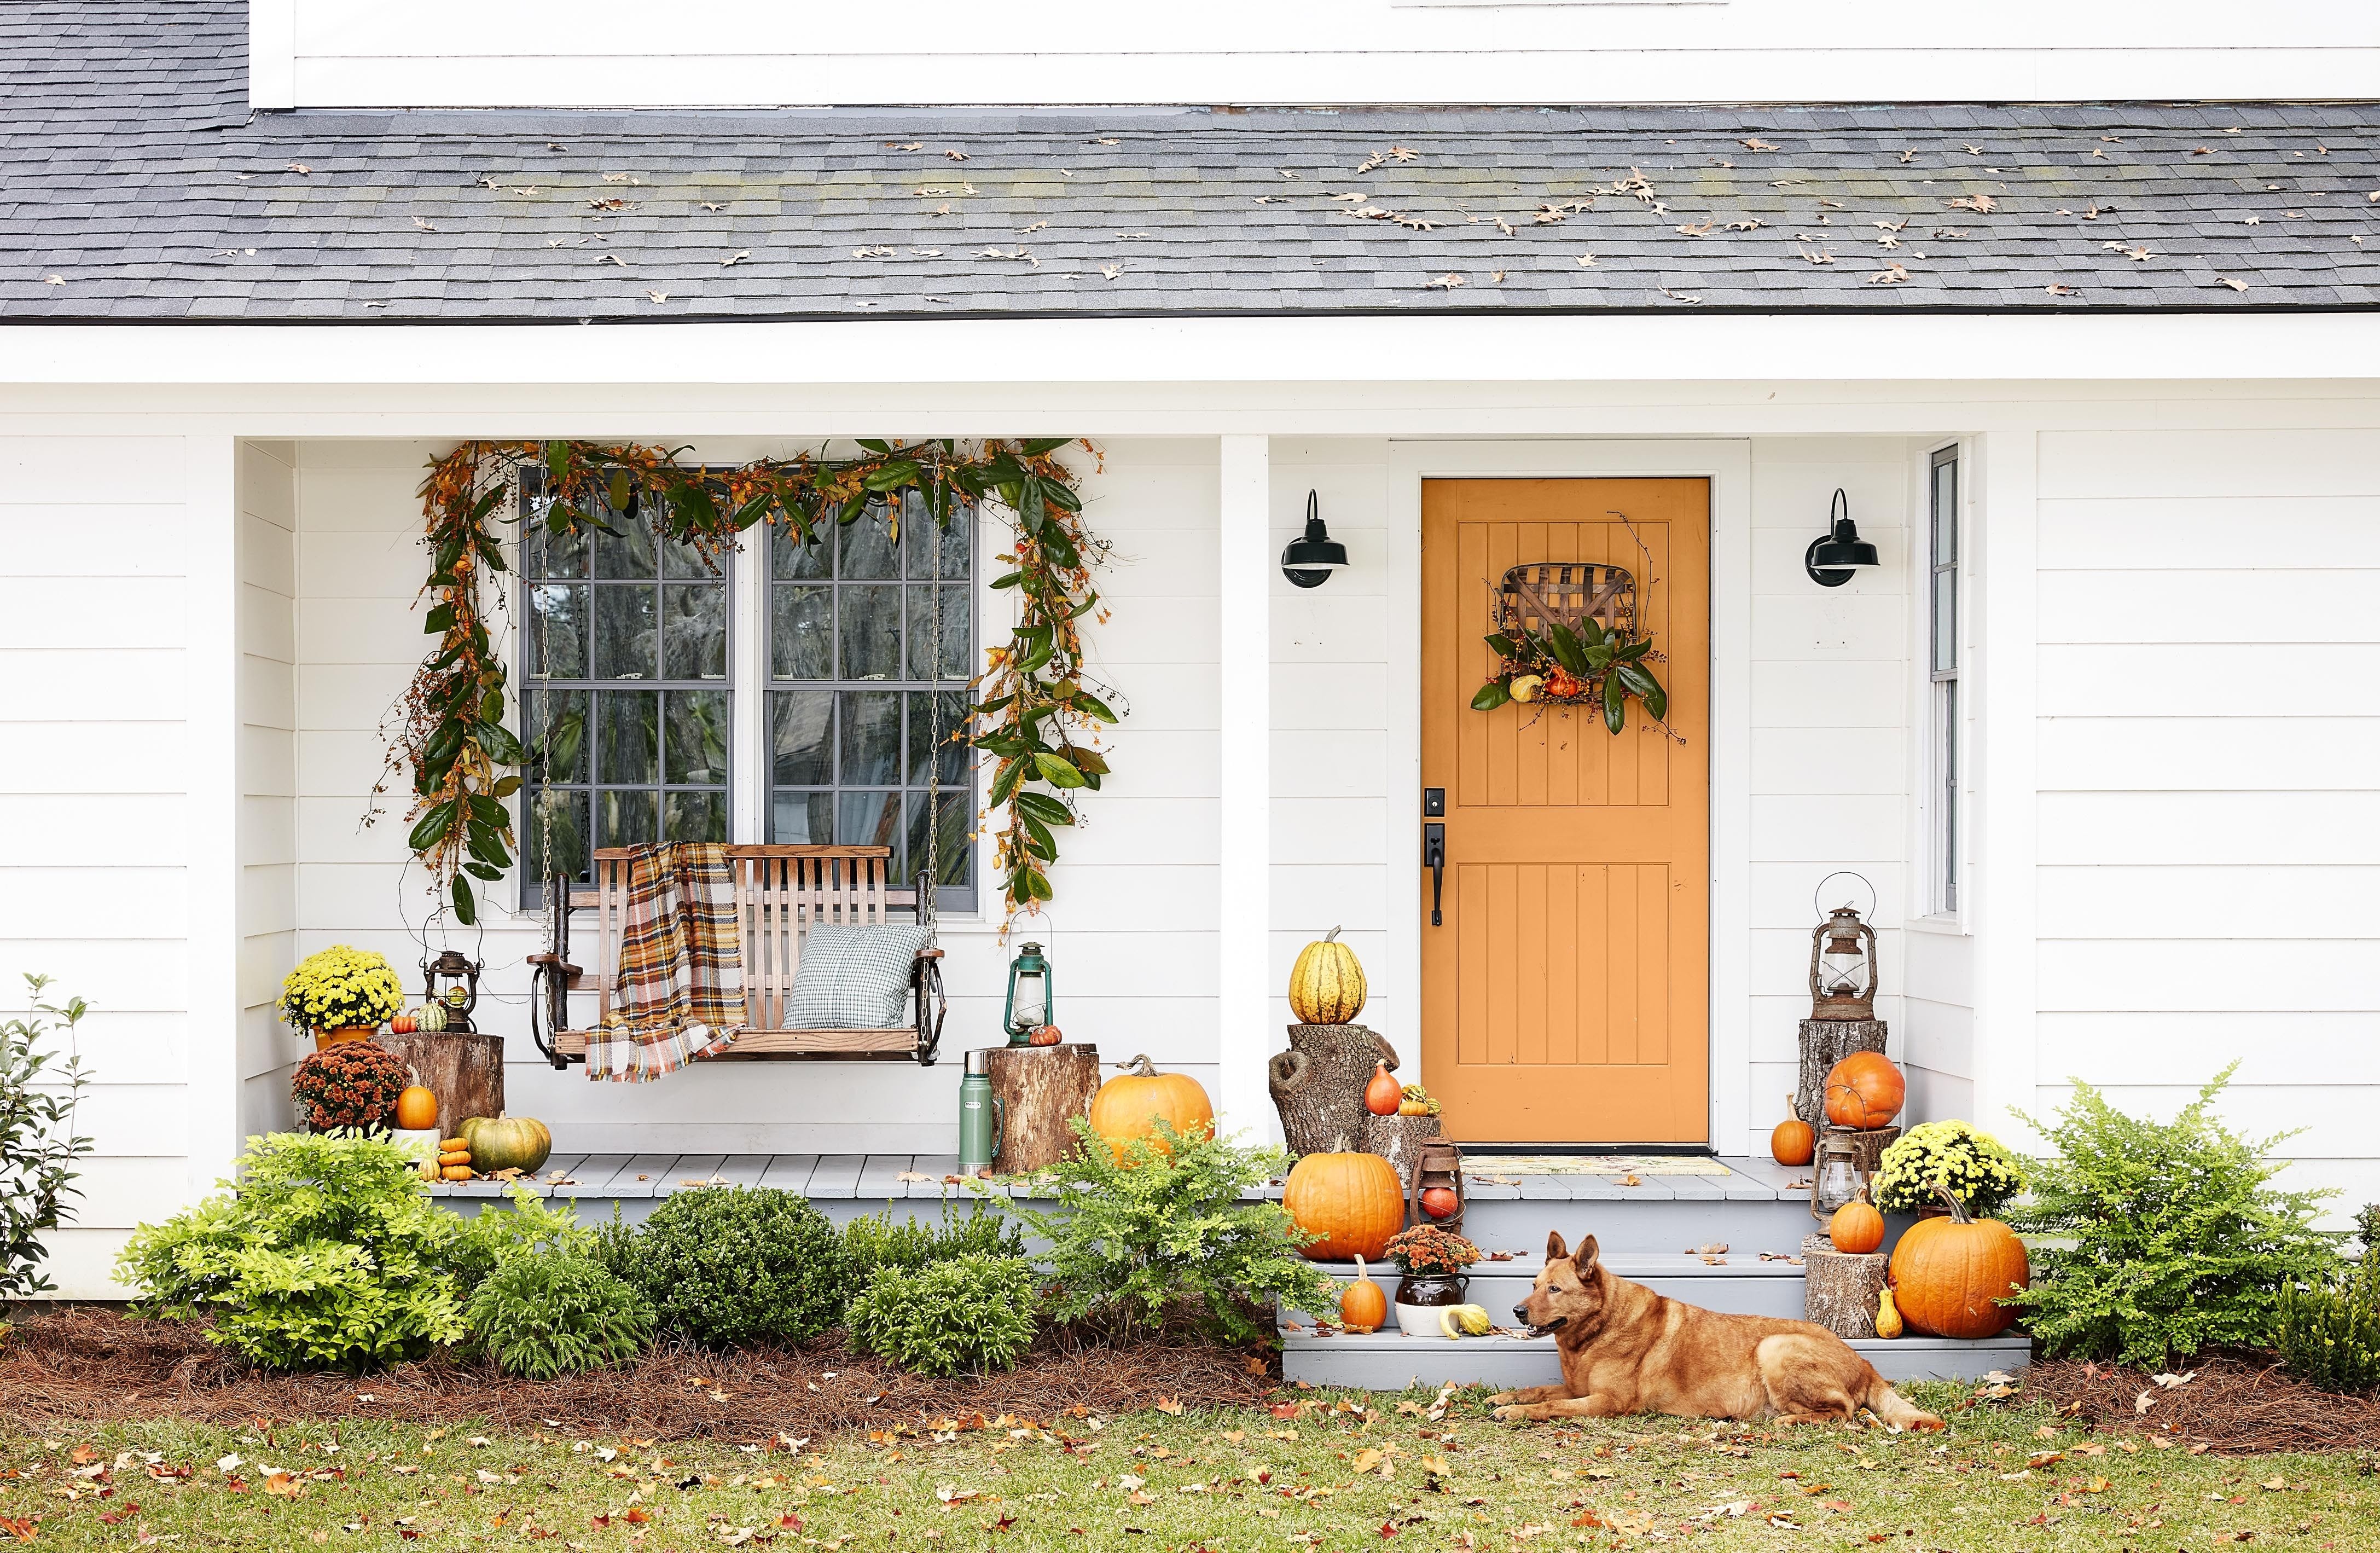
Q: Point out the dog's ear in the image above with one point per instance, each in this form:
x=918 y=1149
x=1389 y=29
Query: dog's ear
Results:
x=1586 y=1252
x=1555 y=1249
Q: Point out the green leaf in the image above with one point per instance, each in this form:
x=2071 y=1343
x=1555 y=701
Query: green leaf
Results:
x=1491 y=696
x=1039 y=445
x=1057 y=772
x=1008 y=579
x=888 y=477
x=482 y=870
x=1004 y=781
x=1090 y=762
x=1563 y=645
x=505 y=788
x=1083 y=700
x=1042 y=807
x=432 y=828
x=1615 y=704
x=621 y=489
x=874 y=446
x=1059 y=495
x=436 y=622
x=558 y=461
x=466 y=912
x=1502 y=645
x=1037 y=838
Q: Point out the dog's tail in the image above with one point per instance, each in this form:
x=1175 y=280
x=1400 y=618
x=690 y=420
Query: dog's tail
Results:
x=1890 y=1406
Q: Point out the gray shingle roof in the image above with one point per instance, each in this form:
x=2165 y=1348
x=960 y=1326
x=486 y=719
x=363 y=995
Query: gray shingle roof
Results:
x=136 y=187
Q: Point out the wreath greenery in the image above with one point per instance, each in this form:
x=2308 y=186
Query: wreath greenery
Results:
x=1038 y=719
x=1591 y=666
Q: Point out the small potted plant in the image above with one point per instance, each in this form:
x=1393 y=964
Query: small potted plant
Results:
x=354 y=1084
x=1953 y=1157
x=341 y=994
x=1429 y=1263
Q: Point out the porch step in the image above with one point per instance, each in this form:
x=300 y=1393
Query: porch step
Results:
x=1736 y=1284
x=1389 y=1361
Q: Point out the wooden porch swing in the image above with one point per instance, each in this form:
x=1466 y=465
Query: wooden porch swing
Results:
x=781 y=892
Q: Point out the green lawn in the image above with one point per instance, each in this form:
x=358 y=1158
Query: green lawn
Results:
x=1340 y=1472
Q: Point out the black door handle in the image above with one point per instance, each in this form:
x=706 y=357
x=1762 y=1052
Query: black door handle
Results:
x=1433 y=857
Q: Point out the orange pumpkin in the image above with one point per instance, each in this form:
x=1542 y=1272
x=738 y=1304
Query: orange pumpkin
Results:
x=1363 y=1305
x=1864 y=1091
x=1794 y=1141
x=1130 y=1105
x=1949 y=1274
x=1856 y=1228
x=1439 y=1201
x=1353 y=1202
x=1384 y=1094
x=417 y=1109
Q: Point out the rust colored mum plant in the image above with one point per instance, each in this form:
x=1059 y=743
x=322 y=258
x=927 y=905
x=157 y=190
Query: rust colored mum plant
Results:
x=354 y=1084
x=1425 y=1248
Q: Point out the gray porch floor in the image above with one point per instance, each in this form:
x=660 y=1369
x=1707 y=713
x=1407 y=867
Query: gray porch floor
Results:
x=899 y=1177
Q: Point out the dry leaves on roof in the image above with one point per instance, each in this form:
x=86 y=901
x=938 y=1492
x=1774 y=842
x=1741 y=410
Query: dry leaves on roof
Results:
x=2234 y=285
x=1982 y=204
x=1753 y=142
x=735 y=257
x=1691 y=302
x=1892 y=276
x=1445 y=283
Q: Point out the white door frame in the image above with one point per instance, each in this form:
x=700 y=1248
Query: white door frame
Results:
x=1728 y=466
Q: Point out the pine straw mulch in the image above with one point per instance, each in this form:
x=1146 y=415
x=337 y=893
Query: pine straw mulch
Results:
x=92 y=1364
x=2234 y=1402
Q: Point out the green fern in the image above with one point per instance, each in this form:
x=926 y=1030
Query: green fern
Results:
x=962 y=1315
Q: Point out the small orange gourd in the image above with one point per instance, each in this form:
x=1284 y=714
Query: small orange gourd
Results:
x=1384 y=1094
x=1864 y=1091
x=1794 y=1141
x=1363 y=1305
x=417 y=1108
x=1130 y=1105
x=1352 y=1202
x=1856 y=1228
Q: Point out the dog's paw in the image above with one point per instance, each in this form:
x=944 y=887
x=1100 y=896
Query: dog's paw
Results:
x=1501 y=1397
x=1517 y=1412
x=1928 y=1425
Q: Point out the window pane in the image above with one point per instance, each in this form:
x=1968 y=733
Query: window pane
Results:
x=802 y=819
x=870 y=819
x=694 y=815
x=871 y=737
x=1946 y=620
x=952 y=602
x=628 y=553
x=555 y=832
x=557 y=631
x=866 y=547
x=801 y=634
x=948 y=845
x=788 y=560
x=957 y=635
x=559 y=718
x=626 y=818
x=624 y=634
x=871 y=633
x=1946 y=512
x=697 y=732
x=628 y=741
x=925 y=544
x=547 y=554
x=685 y=561
x=933 y=717
x=694 y=618
x=800 y=722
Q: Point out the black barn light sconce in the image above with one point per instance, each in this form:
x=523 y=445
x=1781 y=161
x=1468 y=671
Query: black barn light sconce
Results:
x=1834 y=555
x=1309 y=560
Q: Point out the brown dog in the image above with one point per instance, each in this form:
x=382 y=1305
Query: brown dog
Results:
x=1625 y=1349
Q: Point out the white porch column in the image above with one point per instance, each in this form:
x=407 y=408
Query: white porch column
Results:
x=1243 y=947
x=2005 y=772
x=211 y=730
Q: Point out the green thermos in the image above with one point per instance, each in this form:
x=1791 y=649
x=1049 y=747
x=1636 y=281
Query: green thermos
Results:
x=981 y=1117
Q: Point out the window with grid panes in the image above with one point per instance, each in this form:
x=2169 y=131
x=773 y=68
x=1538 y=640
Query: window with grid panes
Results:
x=625 y=678
x=870 y=639
x=1943 y=668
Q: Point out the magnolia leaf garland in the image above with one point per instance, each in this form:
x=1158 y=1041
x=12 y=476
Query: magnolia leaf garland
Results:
x=1037 y=718
x=1591 y=666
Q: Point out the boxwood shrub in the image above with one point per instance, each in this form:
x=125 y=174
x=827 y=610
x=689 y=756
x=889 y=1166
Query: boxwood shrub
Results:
x=733 y=1266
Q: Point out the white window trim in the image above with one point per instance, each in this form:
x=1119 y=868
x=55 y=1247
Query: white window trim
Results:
x=1924 y=861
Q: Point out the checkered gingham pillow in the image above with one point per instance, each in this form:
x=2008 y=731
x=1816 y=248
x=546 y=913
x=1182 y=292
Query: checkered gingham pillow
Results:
x=853 y=977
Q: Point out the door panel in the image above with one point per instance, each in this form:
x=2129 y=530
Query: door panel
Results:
x=1566 y=1000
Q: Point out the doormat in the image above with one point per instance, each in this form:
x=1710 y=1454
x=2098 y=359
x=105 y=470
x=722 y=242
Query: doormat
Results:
x=1483 y=1165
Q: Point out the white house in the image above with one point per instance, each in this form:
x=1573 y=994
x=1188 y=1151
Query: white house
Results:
x=2101 y=730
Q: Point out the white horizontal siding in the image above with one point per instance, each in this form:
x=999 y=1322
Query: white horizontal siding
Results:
x=266 y=1050
x=2210 y=777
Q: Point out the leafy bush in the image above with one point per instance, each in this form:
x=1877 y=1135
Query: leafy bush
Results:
x=612 y=1245
x=873 y=1241
x=38 y=1143
x=2179 y=1242
x=1140 y=1228
x=2328 y=1331
x=965 y=1315
x=1958 y=1157
x=326 y=1252
x=528 y=1227
x=543 y=1314
x=735 y=1265
x=354 y=1084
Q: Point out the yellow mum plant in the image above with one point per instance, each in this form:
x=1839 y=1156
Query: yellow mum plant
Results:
x=341 y=987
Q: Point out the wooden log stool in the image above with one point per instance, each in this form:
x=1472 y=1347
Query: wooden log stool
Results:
x=1318 y=1083
x=1839 y=1290
x=464 y=1069
x=1040 y=1089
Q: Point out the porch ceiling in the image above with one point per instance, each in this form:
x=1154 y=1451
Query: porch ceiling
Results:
x=136 y=187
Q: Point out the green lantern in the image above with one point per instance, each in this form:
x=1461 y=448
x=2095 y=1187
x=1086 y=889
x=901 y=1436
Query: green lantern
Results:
x=1028 y=995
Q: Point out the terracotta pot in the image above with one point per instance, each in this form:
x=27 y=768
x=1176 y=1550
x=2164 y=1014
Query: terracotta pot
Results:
x=325 y=1040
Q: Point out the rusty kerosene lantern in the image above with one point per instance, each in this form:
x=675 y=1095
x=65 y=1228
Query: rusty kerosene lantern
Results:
x=1835 y=1176
x=1842 y=967
x=460 y=994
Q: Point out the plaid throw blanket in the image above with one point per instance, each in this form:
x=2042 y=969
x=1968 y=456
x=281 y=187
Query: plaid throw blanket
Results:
x=680 y=991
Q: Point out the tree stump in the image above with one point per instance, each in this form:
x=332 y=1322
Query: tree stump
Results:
x=1041 y=1090
x=1869 y=1146
x=1838 y=1290
x=1318 y=1083
x=1398 y=1139
x=465 y=1070
x=1825 y=1042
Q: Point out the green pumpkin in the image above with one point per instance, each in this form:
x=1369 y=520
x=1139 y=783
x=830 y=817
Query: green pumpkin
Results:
x=507 y=1143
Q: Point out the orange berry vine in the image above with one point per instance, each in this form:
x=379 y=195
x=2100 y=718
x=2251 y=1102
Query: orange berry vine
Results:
x=1038 y=719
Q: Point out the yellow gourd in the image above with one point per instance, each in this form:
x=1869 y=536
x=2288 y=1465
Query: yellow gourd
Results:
x=1326 y=986
x=1888 y=1315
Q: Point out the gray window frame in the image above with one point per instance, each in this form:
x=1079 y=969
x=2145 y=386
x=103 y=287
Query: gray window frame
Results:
x=1943 y=627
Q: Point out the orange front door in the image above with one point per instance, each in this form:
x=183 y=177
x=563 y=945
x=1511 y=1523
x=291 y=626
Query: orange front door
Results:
x=1565 y=999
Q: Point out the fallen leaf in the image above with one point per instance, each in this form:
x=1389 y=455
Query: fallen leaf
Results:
x=737 y=257
x=1982 y=204
x=1445 y=283
x=1587 y=261
x=284 y=1486
x=300 y=169
x=2234 y=285
x=1892 y=276
x=956 y=155
x=658 y=296
x=2056 y=290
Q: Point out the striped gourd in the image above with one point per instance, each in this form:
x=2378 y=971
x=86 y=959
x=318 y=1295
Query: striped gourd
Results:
x=1326 y=986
